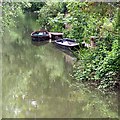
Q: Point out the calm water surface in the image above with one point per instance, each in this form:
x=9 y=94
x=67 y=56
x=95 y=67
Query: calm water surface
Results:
x=37 y=83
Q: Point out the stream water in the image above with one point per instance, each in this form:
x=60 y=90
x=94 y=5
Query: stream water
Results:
x=36 y=81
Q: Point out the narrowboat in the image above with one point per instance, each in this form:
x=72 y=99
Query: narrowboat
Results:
x=40 y=35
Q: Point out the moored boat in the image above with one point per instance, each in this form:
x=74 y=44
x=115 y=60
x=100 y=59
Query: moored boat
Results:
x=40 y=35
x=67 y=43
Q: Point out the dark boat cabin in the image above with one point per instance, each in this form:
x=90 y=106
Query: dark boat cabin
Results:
x=56 y=36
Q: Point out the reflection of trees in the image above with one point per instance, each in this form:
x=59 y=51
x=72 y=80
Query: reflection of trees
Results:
x=48 y=74
x=68 y=62
x=31 y=72
x=39 y=74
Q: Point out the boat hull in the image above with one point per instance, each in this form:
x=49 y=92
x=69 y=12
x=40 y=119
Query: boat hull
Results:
x=37 y=38
x=67 y=44
x=41 y=35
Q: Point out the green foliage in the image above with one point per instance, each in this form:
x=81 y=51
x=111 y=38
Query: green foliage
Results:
x=101 y=65
x=47 y=12
x=12 y=11
x=34 y=6
x=57 y=23
x=77 y=20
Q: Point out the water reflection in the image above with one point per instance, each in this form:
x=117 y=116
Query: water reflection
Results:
x=41 y=43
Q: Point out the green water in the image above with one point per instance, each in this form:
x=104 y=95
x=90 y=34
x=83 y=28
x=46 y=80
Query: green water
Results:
x=36 y=81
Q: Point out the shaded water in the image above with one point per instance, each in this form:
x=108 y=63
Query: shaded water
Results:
x=37 y=83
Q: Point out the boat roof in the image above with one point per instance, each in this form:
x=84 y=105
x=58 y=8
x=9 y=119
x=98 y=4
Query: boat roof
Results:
x=56 y=33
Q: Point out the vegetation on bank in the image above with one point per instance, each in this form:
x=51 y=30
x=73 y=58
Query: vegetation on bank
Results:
x=80 y=20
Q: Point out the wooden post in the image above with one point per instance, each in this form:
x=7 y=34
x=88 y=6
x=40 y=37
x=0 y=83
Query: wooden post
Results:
x=67 y=25
x=92 y=41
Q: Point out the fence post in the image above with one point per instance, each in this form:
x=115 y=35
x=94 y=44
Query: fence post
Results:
x=92 y=41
